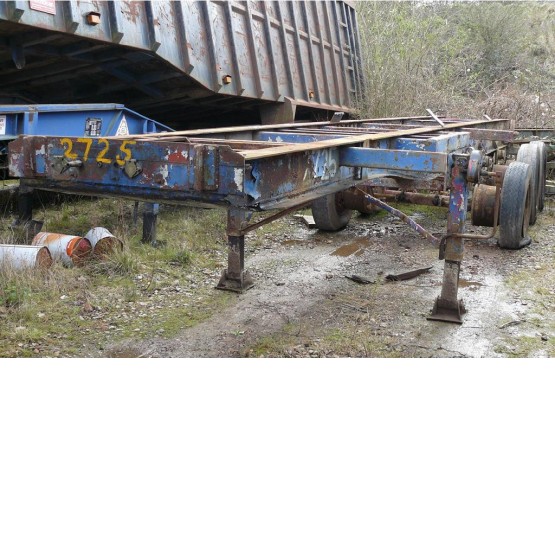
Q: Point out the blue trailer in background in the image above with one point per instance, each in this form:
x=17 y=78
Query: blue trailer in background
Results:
x=78 y=120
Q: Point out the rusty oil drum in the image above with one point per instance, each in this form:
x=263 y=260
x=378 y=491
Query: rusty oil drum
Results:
x=103 y=242
x=25 y=256
x=70 y=249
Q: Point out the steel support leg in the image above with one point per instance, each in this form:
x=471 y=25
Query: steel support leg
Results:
x=135 y=214
x=24 y=220
x=447 y=307
x=24 y=205
x=150 y=220
x=236 y=278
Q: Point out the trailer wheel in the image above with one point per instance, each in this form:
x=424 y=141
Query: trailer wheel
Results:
x=542 y=154
x=514 y=214
x=529 y=154
x=329 y=213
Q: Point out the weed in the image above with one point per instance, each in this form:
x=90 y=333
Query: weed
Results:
x=176 y=256
x=525 y=347
x=12 y=294
x=119 y=262
x=130 y=294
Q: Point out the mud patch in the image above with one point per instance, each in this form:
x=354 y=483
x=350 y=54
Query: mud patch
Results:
x=356 y=247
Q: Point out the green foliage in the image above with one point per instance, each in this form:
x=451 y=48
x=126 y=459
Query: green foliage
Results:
x=460 y=58
x=179 y=257
x=117 y=263
x=12 y=293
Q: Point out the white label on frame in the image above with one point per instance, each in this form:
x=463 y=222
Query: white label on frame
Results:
x=122 y=129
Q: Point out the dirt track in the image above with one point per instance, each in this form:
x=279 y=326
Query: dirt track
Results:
x=304 y=306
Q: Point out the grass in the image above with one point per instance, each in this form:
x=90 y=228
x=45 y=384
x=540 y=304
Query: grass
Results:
x=526 y=347
x=35 y=308
x=535 y=284
x=138 y=292
x=345 y=340
x=143 y=292
x=435 y=212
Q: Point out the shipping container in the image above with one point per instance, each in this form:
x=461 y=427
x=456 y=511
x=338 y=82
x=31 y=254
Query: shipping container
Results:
x=186 y=64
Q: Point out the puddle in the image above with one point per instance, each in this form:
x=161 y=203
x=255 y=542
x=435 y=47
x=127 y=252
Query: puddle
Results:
x=356 y=247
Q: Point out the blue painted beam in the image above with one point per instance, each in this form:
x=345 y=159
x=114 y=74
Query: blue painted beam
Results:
x=398 y=160
x=176 y=171
x=294 y=137
x=442 y=143
x=116 y=167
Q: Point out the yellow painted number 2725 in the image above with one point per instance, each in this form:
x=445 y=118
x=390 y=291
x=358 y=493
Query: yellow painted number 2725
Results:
x=101 y=156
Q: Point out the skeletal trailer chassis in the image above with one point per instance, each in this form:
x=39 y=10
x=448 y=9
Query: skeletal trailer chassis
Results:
x=279 y=168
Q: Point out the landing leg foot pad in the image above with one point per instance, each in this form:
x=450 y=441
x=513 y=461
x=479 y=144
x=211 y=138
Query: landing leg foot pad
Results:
x=447 y=311
x=237 y=285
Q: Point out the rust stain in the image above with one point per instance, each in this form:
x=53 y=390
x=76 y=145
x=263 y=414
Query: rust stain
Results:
x=133 y=12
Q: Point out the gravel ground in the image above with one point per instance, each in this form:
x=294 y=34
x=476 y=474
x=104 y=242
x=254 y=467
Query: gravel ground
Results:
x=303 y=305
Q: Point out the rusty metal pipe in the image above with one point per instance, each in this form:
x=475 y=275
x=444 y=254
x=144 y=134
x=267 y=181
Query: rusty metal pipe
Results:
x=102 y=241
x=415 y=198
x=274 y=217
x=402 y=216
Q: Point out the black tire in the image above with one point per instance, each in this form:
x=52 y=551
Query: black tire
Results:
x=514 y=214
x=329 y=213
x=542 y=155
x=529 y=154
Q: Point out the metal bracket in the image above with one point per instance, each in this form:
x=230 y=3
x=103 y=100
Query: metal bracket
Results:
x=474 y=166
x=235 y=278
x=337 y=116
x=132 y=168
x=447 y=308
x=444 y=311
x=235 y=284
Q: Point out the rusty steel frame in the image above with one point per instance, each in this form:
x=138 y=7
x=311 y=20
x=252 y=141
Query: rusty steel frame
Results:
x=273 y=167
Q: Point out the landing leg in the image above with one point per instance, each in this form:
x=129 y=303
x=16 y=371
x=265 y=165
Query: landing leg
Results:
x=236 y=278
x=447 y=307
x=24 y=205
x=24 y=220
x=150 y=220
x=135 y=214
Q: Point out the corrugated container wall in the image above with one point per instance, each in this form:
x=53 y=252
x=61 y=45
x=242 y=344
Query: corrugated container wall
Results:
x=183 y=62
